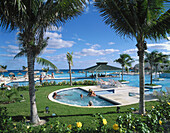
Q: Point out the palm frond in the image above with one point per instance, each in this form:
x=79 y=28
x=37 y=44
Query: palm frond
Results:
x=45 y=62
x=20 y=54
x=160 y=28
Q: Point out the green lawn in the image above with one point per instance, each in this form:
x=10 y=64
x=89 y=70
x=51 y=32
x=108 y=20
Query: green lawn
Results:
x=65 y=114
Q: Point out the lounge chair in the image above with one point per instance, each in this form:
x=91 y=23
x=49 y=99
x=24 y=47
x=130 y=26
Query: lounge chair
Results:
x=118 y=84
x=168 y=90
x=104 y=84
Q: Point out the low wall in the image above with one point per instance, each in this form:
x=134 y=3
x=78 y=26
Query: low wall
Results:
x=164 y=75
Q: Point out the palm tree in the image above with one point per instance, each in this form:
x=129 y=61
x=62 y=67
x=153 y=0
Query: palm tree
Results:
x=32 y=18
x=150 y=58
x=3 y=66
x=124 y=60
x=23 y=67
x=45 y=70
x=70 y=63
x=139 y=19
x=41 y=45
x=159 y=58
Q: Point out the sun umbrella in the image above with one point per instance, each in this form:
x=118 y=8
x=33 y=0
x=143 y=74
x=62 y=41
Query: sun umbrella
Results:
x=3 y=70
x=26 y=69
x=19 y=74
x=11 y=73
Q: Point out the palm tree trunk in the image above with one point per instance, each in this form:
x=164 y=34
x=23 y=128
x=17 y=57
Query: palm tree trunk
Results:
x=122 y=73
x=70 y=74
x=156 y=70
x=151 y=74
x=142 y=82
x=33 y=108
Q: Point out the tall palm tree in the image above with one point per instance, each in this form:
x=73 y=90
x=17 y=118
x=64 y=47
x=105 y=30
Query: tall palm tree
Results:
x=139 y=19
x=70 y=63
x=124 y=60
x=33 y=17
x=150 y=58
x=41 y=45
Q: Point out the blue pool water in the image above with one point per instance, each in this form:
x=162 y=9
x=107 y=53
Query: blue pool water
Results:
x=72 y=96
x=133 y=79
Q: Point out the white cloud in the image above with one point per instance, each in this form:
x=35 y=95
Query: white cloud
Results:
x=61 y=57
x=166 y=53
x=165 y=45
x=95 y=46
x=111 y=43
x=7 y=55
x=54 y=28
x=53 y=35
x=11 y=49
x=79 y=39
x=131 y=51
x=93 y=52
x=88 y=44
x=57 y=42
x=7 y=42
x=48 y=51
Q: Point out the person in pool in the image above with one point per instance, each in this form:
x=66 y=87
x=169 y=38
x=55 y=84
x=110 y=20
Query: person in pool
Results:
x=91 y=93
x=81 y=95
x=90 y=103
x=56 y=96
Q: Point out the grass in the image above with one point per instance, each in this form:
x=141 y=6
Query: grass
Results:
x=65 y=114
x=152 y=84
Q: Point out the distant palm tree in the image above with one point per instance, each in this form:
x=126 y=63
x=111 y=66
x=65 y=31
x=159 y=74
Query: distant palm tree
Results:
x=3 y=66
x=141 y=19
x=70 y=63
x=150 y=58
x=124 y=60
x=32 y=18
x=160 y=58
x=23 y=67
x=45 y=70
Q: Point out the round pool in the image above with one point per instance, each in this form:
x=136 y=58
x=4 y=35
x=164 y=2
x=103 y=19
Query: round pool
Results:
x=72 y=97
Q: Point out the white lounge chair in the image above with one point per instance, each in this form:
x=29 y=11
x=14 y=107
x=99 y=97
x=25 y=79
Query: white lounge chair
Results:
x=118 y=84
x=168 y=90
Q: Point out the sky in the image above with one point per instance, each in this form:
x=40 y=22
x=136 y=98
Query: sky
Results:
x=87 y=36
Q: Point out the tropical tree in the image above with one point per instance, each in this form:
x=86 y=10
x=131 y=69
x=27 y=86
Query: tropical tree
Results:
x=45 y=70
x=160 y=58
x=150 y=58
x=32 y=18
x=41 y=45
x=124 y=60
x=23 y=67
x=70 y=63
x=139 y=19
x=3 y=66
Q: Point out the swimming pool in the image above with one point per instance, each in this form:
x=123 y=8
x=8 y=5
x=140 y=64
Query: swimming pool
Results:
x=133 y=81
x=72 y=97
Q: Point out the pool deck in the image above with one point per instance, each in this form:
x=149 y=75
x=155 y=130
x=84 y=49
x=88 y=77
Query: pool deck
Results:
x=121 y=95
